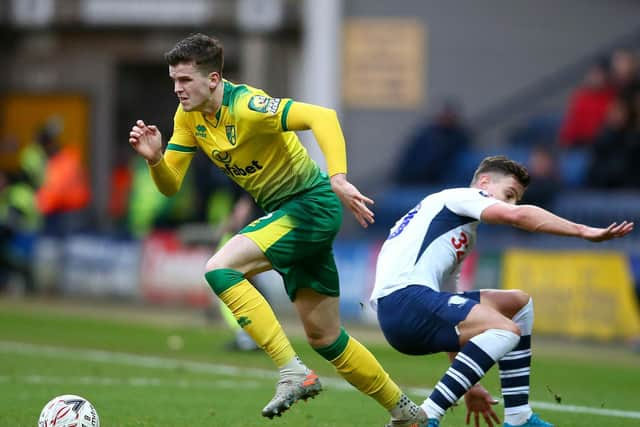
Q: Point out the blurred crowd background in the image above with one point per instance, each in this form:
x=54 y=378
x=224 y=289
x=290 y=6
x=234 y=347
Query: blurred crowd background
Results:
x=424 y=90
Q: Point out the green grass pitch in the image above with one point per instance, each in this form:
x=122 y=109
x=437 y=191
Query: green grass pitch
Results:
x=134 y=379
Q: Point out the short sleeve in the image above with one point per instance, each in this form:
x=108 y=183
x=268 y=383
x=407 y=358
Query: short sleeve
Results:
x=470 y=202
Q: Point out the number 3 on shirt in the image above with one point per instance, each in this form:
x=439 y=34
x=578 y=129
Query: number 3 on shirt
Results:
x=460 y=245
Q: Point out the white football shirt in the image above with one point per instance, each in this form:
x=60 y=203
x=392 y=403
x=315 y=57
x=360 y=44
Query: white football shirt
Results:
x=426 y=246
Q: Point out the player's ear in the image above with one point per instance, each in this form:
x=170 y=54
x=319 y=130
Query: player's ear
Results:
x=483 y=180
x=214 y=80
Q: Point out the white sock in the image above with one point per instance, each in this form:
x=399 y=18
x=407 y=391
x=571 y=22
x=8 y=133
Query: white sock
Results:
x=524 y=318
x=295 y=367
x=405 y=409
x=517 y=416
x=470 y=364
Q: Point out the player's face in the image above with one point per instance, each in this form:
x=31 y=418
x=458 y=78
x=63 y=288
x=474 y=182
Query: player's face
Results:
x=503 y=187
x=194 y=89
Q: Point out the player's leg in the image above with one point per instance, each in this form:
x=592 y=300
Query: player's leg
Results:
x=242 y=341
x=320 y=316
x=515 y=366
x=483 y=336
x=226 y=272
x=277 y=238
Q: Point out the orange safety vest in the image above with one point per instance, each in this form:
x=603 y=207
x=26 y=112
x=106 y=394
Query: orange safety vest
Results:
x=66 y=185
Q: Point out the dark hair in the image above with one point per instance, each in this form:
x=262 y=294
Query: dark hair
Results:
x=504 y=166
x=206 y=52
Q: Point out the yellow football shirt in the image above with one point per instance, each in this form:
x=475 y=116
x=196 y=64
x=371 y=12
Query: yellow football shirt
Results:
x=249 y=141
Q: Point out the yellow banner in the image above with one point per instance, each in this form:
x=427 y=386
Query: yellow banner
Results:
x=582 y=294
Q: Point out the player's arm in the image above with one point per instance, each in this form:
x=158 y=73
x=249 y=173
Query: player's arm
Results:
x=325 y=126
x=535 y=219
x=168 y=169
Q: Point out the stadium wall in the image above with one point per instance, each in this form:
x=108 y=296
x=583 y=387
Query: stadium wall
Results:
x=468 y=56
x=577 y=293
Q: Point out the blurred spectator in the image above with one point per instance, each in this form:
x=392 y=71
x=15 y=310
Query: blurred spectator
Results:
x=121 y=182
x=624 y=73
x=545 y=181
x=145 y=201
x=216 y=195
x=65 y=192
x=616 y=152
x=433 y=148
x=33 y=162
x=19 y=222
x=149 y=209
x=587 y=107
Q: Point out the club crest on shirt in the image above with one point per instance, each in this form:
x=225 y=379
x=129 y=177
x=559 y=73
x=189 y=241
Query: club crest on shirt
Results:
x=264 y=104
x=457 y=300
x=231 y=134
x=484 y=193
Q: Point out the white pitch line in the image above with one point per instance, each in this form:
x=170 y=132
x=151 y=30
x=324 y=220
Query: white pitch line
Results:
x=130 y=382
x=102 y=356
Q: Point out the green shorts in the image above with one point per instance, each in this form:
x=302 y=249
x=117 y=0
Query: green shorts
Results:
x=298 y=240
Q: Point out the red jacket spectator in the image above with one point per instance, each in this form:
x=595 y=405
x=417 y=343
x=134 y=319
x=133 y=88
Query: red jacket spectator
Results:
x=587 y=108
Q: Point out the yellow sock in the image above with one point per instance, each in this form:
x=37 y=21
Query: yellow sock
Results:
x=360 y=368
x=254 y=314
x=227 y=316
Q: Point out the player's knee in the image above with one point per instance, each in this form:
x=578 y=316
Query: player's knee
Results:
x=503 y=324
x=330 y=346
x=215 y=263
x=520 y=298
x=321 y=337
x=511 y=326
x=222 y=279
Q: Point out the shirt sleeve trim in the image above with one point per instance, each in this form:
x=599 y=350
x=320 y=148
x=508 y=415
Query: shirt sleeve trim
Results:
x=285 y=113
x=181 y=148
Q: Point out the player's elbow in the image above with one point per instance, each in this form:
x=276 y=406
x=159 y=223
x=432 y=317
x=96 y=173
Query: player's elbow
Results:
x=503 y=213
x=517 y=216
x=168 y=188
x=332 y=113
x=170 y=191
x=525 y=217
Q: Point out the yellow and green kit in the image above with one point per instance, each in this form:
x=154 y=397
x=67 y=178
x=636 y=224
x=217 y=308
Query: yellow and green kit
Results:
x=251 y=139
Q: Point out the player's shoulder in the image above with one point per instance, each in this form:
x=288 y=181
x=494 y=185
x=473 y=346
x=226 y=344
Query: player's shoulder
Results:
x=456 y=193
x=463 y=196
x=238 y=95
x=247 y=101
x=464 y=193
x=235 y=92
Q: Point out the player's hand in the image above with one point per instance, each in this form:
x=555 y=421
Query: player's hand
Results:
x=353 y=199
x=147 y=141
x=613 y=231
x=479 y=401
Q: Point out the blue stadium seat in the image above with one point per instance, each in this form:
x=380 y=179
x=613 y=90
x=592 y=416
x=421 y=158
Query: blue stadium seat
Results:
x=573 y=166
x=540 y=129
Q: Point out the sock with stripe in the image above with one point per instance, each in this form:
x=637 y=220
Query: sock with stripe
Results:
x=254 y=314
x=470 y=364
x=515 y=371
x=360 y=368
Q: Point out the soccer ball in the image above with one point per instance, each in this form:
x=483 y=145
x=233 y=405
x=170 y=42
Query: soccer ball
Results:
x=69 y=410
